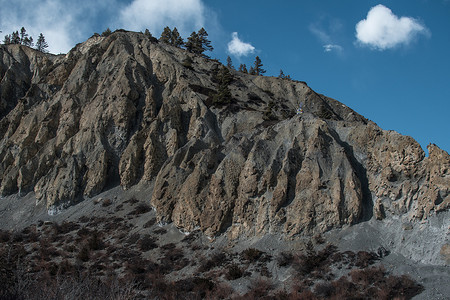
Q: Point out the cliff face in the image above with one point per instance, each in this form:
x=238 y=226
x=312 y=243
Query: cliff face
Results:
x=126 y=110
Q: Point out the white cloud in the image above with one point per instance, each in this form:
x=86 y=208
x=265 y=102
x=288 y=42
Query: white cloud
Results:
x=331 y=47
x=238 y=47
x=383 y=30
x=63 y=23
x=320 y=33
x=335 y=26
x=186 y=15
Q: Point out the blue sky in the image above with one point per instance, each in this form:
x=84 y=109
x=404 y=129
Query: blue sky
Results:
x=388 y=60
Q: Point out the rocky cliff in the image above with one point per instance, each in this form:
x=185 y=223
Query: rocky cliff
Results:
x=127 y=110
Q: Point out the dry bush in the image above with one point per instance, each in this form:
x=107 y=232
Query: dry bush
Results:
x=364 y=277
x=220 y=291
x=141 y=208
x=324 y=290
x=65 y=227
x=160 y=231
x=234 y=272
x=401 y=287
x=147 y=243
x=133 y=239
x=5 y=236
x=173 y=260
x=132 y=200
x=217 y=260
x=106 y=202
x=193 y=288
x=364 y=259
x=251 y=254
x=84 y=253
x=83 y=219
x=150 y=223
x=284 y=259
x=258 y=289
x=95 y=241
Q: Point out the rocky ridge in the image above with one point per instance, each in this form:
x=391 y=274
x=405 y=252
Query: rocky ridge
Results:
x=124 y=109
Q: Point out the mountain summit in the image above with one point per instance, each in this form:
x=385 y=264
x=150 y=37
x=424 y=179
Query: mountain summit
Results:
x=224 y=151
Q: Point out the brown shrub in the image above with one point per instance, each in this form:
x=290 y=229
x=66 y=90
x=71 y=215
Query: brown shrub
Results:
x=364 y=259
x=216 y=260
x=147 y=243
x=84 y=253
x=285 y=259
x=5 y=236
x=106 y=202
x=251 y=254
x=150 y=223
x=234 y=272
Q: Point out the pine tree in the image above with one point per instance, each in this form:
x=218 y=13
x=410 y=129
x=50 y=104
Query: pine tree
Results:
x=41 y=44
x=203 y=38
x=175 y=39
x=15 y=38
x=243 y=68
x=223 y=77
x=28 y=41
x=229 y=63
x=252 y=71
x=148 y=35
x=281 y=74
x=198 y=42
x=7 y=39
x=166 y=35
x=107 y=32
x=258 y=67
x=192 y=44
x=23 y=34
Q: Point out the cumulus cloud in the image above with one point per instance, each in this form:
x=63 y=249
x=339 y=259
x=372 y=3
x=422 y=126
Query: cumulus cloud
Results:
x=63 y=23
x=186 y=15
x=383 y=30
x=238 y=47
x=331 y=47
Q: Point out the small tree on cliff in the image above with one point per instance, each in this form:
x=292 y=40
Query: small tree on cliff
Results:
x=166 y=35
x=258 y=67
x=198 y=42
x=175 y=39
x=41 y=44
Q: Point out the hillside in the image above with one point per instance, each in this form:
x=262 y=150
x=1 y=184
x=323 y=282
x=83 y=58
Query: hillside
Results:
x=126 y=110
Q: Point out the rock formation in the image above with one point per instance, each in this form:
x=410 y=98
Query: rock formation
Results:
x=127 y=110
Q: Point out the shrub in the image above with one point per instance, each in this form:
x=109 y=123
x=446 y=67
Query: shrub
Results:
x=141 y=209
x=160 y=231
x=84 y=253
x=251 y=254
x=150 y=223
x=106 y=202
x=285 y=259
x=234 y=272
x=5 y=236
x=133 y=238
x=324 y=290
x=147 y=243
x=216 y=260
x=95 y=242
x=364 y=259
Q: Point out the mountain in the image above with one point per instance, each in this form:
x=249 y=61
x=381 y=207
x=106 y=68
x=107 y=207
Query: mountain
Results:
x=126 y=110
